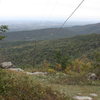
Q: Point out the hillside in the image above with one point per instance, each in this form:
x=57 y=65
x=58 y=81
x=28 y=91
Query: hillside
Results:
x=67 y=63
x=52 y=33
x=25 y=53
x=91 y=28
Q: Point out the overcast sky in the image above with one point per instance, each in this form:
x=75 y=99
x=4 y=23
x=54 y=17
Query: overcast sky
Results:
x=49 y=9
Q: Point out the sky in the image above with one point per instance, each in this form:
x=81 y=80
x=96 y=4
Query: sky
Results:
x=49 y=9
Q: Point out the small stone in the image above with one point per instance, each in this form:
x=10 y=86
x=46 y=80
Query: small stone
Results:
x=29 y=73
x=16 y=69
x=82 y=98
x=93 y=94
x=36 y=73
x=79 y=93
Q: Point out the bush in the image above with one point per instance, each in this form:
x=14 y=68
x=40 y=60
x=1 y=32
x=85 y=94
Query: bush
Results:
x=51 y=70
x=19 y=86
x=79 y=66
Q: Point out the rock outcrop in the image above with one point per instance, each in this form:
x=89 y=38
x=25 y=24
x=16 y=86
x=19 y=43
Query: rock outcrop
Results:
x=10 y=66
x=6 y=65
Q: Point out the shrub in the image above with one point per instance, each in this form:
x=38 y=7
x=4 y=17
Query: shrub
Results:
x=51 y=70
x=58 y=67
x=79 y=66
x=19 y=86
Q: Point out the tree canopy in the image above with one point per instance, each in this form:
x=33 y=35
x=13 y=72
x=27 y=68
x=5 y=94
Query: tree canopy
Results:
x=3 y=28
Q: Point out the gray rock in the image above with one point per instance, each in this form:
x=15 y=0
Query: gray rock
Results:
x=16 y=69
x=93 y=94
x=92 y=76
x=82 y=98
x=36 y=73
x=29 y=73
x=79 y=93
x=6 y=65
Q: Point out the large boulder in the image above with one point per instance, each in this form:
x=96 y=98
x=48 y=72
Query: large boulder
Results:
x=6 y=65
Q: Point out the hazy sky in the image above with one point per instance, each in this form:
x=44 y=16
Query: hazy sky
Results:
x=49 y=9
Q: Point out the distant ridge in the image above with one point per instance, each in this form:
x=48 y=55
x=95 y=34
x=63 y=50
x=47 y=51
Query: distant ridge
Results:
x=50 y=33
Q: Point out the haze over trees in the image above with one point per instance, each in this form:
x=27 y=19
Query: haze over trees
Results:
x=52 y=33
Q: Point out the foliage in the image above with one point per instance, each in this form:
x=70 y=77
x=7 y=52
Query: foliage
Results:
x=2 y=37
x=51 y=71
x=3 y=28
x=19 y=86
x=61 y=60
x=95 y=56
x=58 y=67
x=82 y=65
x=54 y=52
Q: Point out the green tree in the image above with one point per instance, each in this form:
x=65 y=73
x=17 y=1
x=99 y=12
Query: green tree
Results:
x=3 y=28
x=61 y=59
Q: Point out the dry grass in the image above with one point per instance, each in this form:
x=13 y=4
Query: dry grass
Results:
x=19 y=86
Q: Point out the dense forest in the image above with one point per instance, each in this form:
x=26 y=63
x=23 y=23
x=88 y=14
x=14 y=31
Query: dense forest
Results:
x=36 y=52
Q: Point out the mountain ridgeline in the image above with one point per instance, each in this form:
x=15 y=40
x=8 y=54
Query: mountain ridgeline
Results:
x=52 y=33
